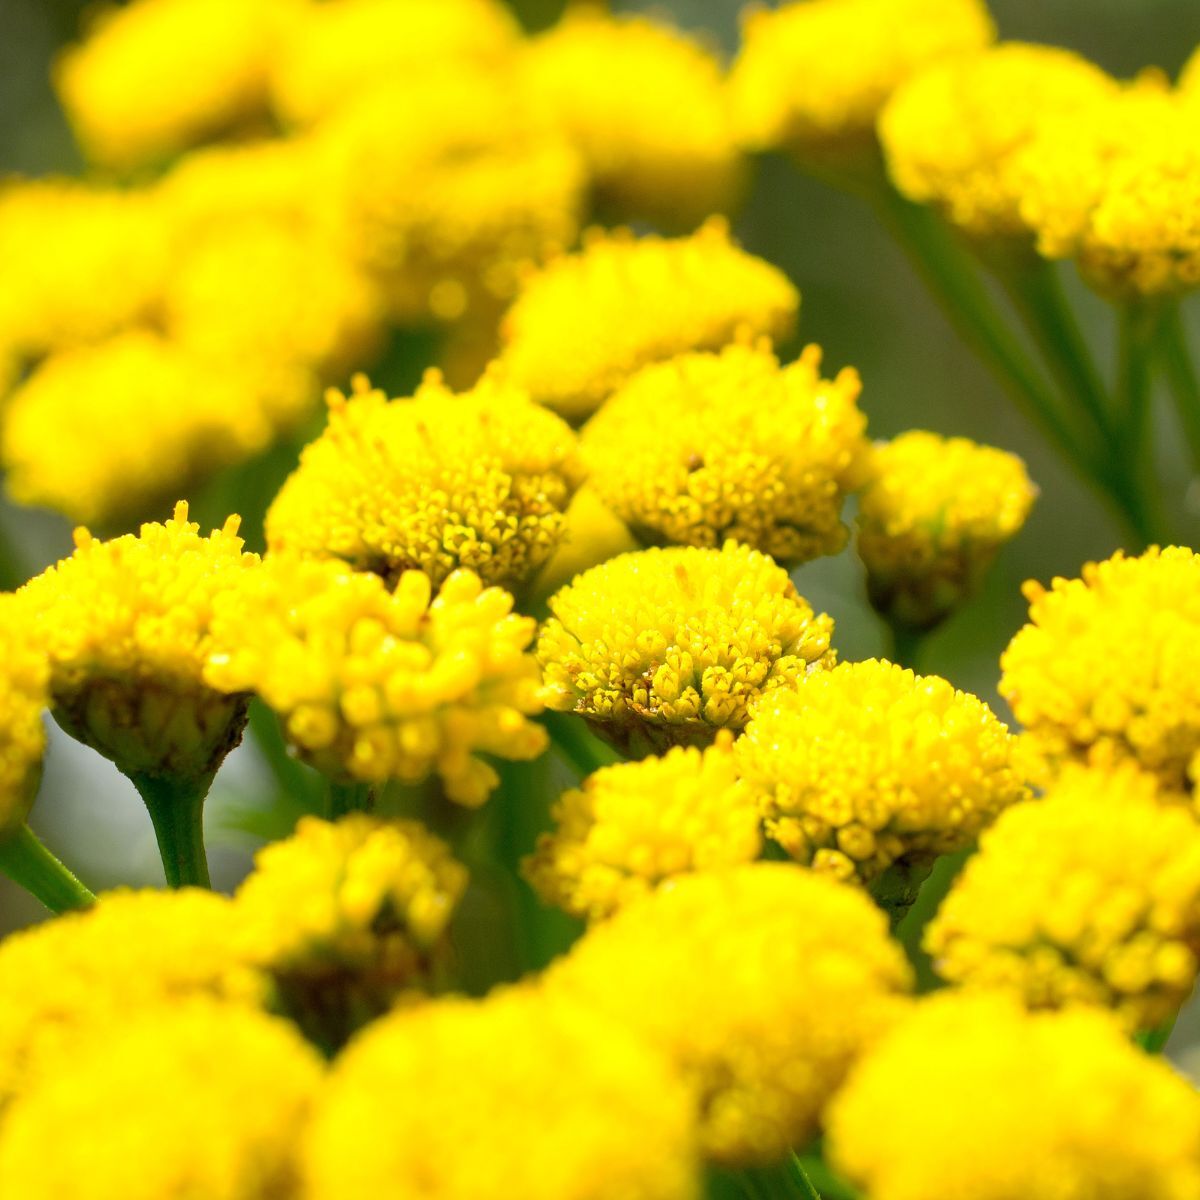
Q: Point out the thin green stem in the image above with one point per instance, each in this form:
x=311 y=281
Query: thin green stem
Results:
x=585 y=752
x=342 y=798
x=1154 y=1041
x=1176 y=361
x=828 y=1185
x=176 y=808
x=26 y=861
x=786 y=1181
x=291 y=776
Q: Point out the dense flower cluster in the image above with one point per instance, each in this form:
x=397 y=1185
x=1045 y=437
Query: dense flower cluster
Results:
x=23 y=695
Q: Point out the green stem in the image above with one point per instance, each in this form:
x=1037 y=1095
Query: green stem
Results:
x=342 y=798
x=291 y=776
x=905 y=644
x=1154 y=1041
x=1181 y=375
x=176 y=809
x=27 y=861
x=786 y=1181
x=580 y=748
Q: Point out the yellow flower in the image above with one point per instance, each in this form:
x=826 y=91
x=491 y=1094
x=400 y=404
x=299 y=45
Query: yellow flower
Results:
x=154 y=76
x=664 y=647
x=646 y=105
x=125 y=624
x=812 y=76
x=23 y=697
x=633 y=826
x=518 y=1095
x=707 y=447
x=762 y=983
x=585 y=323
x=953 y=134
x=1108 y=670
x=375 y=685
x=202 y=1099
x=972 y=1098
x=931 y=519
x=436 y=482
x=868 y=772
x=1091 y=895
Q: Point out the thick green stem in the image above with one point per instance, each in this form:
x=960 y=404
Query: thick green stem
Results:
x=905 y=644
x=1154 y=1041
x=580 y=748
x=27 y=861
x=176 y=809
x=1176 y=361
x=343 y=798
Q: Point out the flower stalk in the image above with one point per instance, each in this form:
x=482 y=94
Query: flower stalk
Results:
x=26 y=860
x=176 y=808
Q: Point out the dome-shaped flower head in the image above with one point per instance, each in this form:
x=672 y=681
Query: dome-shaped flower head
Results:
x=664 y=647
x=436 y=482
x=23 y=697
x=812 y=75
x=152 y=77
x=970 y=1097
x=931 y=519
x=707 y=447
x=953 y=134
x=375 y=685
x=1091 y=895
x=555 y=1102
x=868 y=772
x=646 y=105
x=347 y=916
x=762 y=983
x=633 y=826
x=201 y=1099
x=1108 y=669
x=584 y=324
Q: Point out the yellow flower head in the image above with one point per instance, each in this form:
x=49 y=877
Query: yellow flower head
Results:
x=126 y=626
x=868 y=768
x=554 y=1101
x=707 y=447
x=762 y=983
x=973 y=1098
x=812 y=75
x=636 y=825
x=1108 y=670
x=375 y=685
x=154 y=76
x=1091 y=895
x=931 y=519
x=664 y=647
x=585 y=323
x=953 y=134
x=23 y=696
x=436 y=482
x=334 y=52
x=203 y=1099
x=646 y=105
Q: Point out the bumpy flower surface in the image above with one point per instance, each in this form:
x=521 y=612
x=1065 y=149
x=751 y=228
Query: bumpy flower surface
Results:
x=762 y=983
x=1091 y=895
x=585 y=323
x=813 y=75
x=633 y=826
x=707 y=447
x=868 y=766
x=85 y=975
x=375 y=685
x=555 y=1102
x=202 y=1099
x=1108 y=669
x=126 y=626
x=664 y=647
x=154 y=76
x=23 y=696
x=953 y=134
x=647 y=106
x=103 y=433
x=440 y=481
x=931 y=519
x=973 y=1098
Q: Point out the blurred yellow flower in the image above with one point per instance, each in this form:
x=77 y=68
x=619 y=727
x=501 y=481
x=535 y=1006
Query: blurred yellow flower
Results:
x=24 y=695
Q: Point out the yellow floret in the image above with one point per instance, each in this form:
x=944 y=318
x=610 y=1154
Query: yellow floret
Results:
x=707 y=447
x=646 y=105
x=972 y=1098
x=812 y=76
x=1108 y=670
x=440 y=481
x=583 y=325
x=375 y=685
x=634 y=826
x=868 y=772
x=154 y=76
x=953 y=134
x=931 y=520
x=104 y=433
x=24 y=695
x=202 y=1099
x=762 y=983
x=664 y=647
